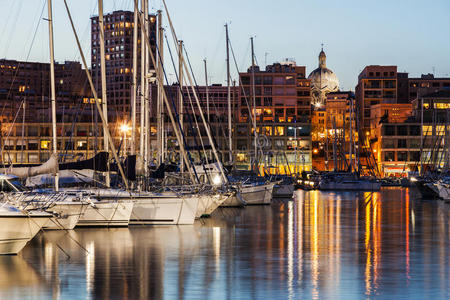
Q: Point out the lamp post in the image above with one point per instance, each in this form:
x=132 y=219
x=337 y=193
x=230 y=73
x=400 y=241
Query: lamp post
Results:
x=124 y=129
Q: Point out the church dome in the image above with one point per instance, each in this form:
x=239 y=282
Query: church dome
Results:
x=323 y=81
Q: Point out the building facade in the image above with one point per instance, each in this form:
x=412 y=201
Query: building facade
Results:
x=376 y=84
x=282 y=109
x=119 y=58
x=403 y=143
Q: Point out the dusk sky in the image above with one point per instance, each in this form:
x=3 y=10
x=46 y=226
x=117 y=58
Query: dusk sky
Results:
x=412 y=34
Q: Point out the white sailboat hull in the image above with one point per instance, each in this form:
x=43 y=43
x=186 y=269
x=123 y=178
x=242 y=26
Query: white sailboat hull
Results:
x=68 y=215
x=283 y=191
x=235 y=200
x=164 y=210
x=257 y=195
x=17 y=231
x=209 y=203
x=106 y=214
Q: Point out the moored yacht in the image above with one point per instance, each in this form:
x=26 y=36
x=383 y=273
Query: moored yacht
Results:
x=17 y=227
x=66 y=209
x=152 y=208
x=347 y=181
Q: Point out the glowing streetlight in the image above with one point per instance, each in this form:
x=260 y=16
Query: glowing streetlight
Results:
x=124 y=128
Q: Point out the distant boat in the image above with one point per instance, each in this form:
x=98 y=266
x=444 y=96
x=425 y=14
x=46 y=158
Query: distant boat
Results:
x=284 y=188
x=348 y=181
x=444 y=190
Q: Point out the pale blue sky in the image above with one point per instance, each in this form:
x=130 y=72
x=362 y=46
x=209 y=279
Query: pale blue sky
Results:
x=413 y=34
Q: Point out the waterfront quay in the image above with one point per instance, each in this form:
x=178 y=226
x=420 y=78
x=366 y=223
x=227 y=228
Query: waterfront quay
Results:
x=319 y=245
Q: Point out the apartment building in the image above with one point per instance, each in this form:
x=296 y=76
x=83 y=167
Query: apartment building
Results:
x=282 y=96
x=376 y=84
x=119 y=57
x=403 y=143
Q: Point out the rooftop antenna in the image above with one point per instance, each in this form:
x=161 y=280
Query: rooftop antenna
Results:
x=265 y=58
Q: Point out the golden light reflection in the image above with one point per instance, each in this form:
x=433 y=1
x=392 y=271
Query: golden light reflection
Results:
x=407 y=233
x=48 y=259
x=90 y=267
x=300 y=205
x=315 y=247
x=377 y=239
x=290 y=249
x=216 y=245
x=368 y=278
x=372 y=241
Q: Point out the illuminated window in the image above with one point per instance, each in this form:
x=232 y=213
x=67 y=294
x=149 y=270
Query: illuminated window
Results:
x=427 y=130
x=442 y=105
x=257 y=130
x=279 y=130
x=258 y=111
x=267 y=130
x=45 y=145
x=241 y=157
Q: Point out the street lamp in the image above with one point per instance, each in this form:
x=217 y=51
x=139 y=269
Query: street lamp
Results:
x=124 y=128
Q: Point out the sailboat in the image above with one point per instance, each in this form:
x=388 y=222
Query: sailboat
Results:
x=18 y=227
x=254 y=190
x=349 y=178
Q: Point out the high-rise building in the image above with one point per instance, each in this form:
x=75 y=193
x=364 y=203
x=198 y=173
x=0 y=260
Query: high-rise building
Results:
x=119 y=58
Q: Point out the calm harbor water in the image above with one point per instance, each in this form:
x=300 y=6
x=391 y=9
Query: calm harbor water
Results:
x=320 y=246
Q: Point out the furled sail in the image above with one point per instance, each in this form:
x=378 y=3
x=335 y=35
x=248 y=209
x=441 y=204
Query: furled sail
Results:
x=97 y=163
x=49 y=167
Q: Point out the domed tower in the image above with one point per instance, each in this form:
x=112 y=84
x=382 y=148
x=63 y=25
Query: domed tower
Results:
x=323 y=81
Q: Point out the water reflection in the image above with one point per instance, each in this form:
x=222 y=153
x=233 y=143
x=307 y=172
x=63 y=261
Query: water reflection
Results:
x=321 y=245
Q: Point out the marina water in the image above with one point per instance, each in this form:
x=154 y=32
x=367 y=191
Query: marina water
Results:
x=322 y=245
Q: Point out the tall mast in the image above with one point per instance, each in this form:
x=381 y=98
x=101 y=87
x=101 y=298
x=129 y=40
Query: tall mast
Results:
x=142 y=91
x=160 y=109
x=52 y=86
x=334 y=145
x=351 y=135
x=230 y=130
x=103 y=79
x=146 y=89
x=421 y=138
x=180 y=96
x=344 y=160
x=192 y=86
x=134 y=87
x=207 y=91
x=254 y=102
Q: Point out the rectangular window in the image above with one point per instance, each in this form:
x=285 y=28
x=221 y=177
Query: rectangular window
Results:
x=278 y=80
x=45 y=145
x=402 y=130
x=401 y=143
x=414 y=130
x=388 y=143
x=389 y=156
x=402 y=156
x=279 y=130
x=389 y=130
